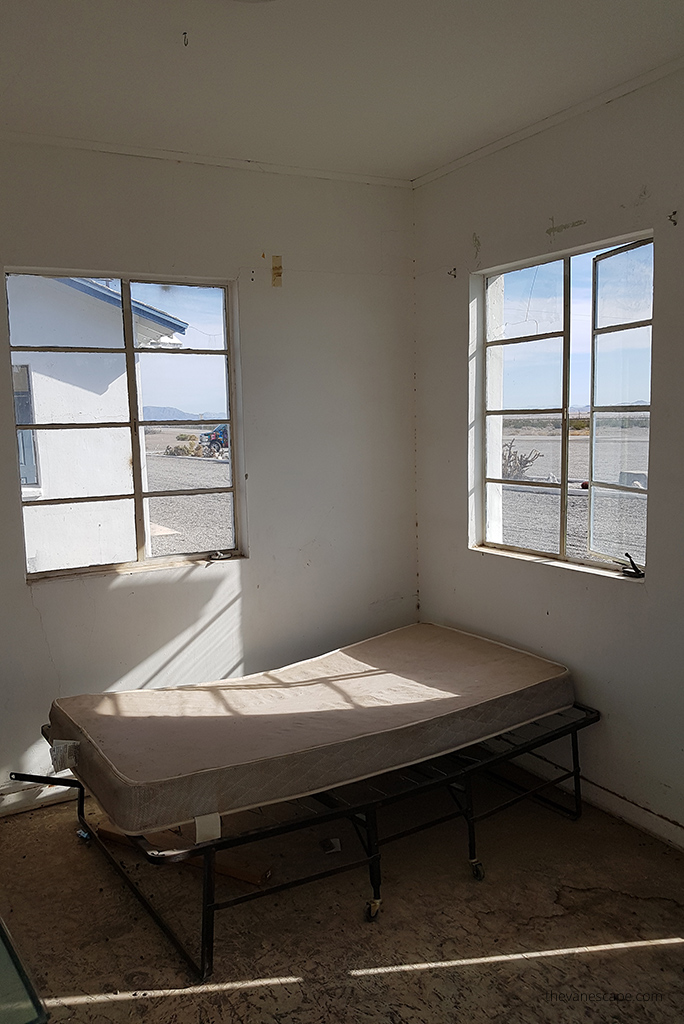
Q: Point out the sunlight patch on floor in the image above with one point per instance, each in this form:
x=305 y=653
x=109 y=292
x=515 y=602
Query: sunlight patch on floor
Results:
x=157 y=993
x=505 y=957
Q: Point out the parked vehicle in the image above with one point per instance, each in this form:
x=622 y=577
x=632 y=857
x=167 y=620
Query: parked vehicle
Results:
x=214 y=441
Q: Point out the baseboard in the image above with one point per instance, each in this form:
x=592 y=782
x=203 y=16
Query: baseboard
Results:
x=669 y=831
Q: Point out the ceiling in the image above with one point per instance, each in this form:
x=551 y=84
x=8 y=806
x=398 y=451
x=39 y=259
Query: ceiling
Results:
x=376 y=88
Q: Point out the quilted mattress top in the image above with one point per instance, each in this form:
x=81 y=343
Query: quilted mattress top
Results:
x=226 y=745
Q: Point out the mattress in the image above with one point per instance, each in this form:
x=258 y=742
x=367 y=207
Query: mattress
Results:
x=157 y=758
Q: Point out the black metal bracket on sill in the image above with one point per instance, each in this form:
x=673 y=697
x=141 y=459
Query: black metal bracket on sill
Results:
x=635 y=572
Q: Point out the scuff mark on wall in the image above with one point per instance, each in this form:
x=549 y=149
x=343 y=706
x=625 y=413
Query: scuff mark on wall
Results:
x=555 y=229
x=477 y=245
x=47 y=642
x=644 y=194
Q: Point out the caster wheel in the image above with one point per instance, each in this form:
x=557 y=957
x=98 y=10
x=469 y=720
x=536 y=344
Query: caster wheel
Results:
x=477 y=869
x=372 y=909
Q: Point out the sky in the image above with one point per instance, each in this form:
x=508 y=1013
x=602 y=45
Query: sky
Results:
x=195 y=384
x=532 y=304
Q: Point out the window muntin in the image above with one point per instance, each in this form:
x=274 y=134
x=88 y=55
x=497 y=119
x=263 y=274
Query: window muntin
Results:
x=566 y=406
x=117 y=400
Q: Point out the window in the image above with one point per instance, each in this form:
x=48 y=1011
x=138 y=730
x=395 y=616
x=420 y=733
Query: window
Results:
x=566 y=405
x=23 y=413
x=124 y=421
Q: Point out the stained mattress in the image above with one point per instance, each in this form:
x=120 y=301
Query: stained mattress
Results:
x=156 y=758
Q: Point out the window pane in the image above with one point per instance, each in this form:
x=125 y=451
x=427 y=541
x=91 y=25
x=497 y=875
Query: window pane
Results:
x=523 y=517
x=82 y=463
x=524 y=447
x=525 y=302
x=621 y=448
x=178 y=316
x=625 y=287
x=622 y=370
x=28 y=466
x=186 y=524
x=183 y=387
x=577 y=527
x=69 y=311
x=618 y=523
x=23 y=403
x=578 y=451
x=75 y=535
x=178 y=458
x=525 y=376
x=75 y=387
x=18 y=1002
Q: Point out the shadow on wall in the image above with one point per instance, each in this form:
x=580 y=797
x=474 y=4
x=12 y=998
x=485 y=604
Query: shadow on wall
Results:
x=132 y=632
x=144 y=629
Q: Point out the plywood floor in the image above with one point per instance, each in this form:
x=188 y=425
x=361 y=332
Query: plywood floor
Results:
x=575 y=921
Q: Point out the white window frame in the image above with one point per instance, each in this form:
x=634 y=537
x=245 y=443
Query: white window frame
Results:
x=477 y=453
x=135 y=423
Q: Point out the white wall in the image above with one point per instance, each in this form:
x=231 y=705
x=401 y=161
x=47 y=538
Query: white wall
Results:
x=327 y=384
x=328 y=427
x=604 y=175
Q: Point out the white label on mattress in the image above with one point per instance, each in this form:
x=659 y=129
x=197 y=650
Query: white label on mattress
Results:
x=207 y=827
x=64 y=754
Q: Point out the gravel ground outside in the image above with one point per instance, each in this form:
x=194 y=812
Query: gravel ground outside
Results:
x=531 y=518
x=186 y=523
x=194 y=522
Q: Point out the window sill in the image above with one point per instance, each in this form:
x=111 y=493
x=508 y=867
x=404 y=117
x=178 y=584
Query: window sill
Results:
x=594 y=570
x=131 y=568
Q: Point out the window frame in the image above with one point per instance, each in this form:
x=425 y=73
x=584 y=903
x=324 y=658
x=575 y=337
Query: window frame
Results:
x=477 y=429
x=135 y=424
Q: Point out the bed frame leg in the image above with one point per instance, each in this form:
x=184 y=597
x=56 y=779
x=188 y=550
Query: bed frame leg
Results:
x=576 y=775
x=373 y=852
x=208 y=912
x=472 y=850
x=476 y=865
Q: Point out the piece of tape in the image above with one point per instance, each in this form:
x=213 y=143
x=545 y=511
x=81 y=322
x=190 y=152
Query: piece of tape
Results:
x=277 y=271
x=207 y=827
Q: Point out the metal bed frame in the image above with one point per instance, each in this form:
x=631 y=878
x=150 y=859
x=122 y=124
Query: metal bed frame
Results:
x=359 y=803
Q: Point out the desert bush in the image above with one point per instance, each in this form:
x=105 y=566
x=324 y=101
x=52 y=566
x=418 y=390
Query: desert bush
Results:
x=515 y=464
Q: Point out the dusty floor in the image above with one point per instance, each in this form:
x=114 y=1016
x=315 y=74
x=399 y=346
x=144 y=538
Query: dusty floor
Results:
x=575 y=921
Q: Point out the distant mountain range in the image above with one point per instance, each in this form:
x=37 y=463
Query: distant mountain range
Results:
x=168 y=412
x=583 y=410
